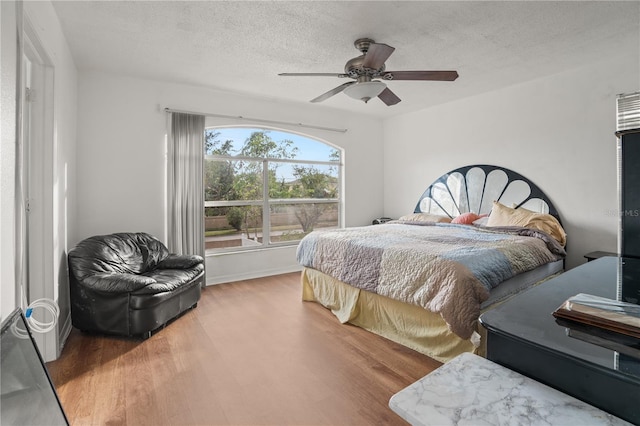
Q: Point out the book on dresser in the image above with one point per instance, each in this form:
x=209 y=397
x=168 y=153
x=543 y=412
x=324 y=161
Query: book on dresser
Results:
x=611 y=315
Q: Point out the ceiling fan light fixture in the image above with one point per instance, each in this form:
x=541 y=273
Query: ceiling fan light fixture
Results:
x=366 y=90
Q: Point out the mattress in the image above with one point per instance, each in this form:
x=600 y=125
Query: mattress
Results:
x=520 y=283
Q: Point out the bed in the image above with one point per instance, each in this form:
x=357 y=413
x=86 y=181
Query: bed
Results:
x=477 y=236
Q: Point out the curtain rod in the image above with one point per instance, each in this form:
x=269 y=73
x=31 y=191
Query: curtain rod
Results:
x=240 y=117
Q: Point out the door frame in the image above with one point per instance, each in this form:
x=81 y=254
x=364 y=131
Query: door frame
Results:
x=38 y=153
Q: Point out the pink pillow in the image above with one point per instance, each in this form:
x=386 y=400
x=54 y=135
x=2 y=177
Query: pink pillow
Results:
x=467 y=218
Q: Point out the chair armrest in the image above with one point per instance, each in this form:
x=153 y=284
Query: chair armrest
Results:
x=180 y=261
x=117 y=283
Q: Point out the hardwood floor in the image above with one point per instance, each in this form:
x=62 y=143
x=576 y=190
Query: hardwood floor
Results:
x=252 y=352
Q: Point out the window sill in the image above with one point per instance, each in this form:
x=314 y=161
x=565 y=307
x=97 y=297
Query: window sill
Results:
x=251 y=250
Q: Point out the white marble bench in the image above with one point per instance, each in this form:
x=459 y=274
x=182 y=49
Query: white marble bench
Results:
x=471 y=390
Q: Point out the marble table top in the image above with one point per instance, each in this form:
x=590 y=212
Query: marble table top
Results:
x=471 y=390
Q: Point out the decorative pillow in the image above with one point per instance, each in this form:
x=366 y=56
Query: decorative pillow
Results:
x=502 y=215
x=467 y=218
x=515 y=206
x=425 y=217
x=482 y=221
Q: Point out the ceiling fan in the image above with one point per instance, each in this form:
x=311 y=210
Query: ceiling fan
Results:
x=368 y=67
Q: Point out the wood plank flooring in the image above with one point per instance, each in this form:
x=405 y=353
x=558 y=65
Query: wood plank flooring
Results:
x=251 y=353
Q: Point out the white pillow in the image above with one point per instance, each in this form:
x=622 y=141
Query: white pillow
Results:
x=482 y=221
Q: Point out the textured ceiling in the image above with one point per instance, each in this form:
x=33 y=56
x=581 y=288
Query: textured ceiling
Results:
x=241 y=46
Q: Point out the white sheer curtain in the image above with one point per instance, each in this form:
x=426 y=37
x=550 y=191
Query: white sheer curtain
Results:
x=185 y=184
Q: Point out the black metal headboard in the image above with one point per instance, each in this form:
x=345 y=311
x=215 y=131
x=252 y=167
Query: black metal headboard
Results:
x=474 y=188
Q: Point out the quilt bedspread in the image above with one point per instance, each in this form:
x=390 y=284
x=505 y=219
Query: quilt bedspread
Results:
x=445 y=268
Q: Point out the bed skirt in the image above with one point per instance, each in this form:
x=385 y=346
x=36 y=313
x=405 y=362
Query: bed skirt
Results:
x=408 y=325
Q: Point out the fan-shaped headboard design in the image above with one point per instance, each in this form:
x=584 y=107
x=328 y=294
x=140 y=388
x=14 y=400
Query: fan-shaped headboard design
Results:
x=474 y=188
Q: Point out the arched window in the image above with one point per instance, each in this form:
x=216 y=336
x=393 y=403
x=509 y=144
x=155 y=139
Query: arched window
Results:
x=267 y=187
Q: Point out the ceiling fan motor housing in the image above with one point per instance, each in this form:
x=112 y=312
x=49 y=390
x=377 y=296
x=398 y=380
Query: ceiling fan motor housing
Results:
x=355 y=69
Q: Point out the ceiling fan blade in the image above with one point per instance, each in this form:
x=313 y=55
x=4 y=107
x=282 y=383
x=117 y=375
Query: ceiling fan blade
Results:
x=388 y=97
x=332 y=92
x=420 y=75
x=312 y=74
x=376 y=56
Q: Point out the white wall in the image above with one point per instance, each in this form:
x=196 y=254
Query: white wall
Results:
x=557 y=131
x=121 y=159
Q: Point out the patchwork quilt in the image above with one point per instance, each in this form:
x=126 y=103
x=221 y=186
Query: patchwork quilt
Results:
x=445 y=268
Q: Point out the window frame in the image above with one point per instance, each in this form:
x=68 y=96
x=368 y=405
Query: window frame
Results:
x=266 y=202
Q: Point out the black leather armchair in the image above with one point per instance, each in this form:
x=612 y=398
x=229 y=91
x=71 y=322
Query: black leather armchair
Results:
x=129 y=284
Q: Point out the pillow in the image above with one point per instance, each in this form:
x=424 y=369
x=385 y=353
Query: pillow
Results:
x=467 y=218
x=482 y=221
x=515 y=206
x=502 y=215
x=425 y=217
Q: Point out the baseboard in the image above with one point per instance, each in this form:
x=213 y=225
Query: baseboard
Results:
x=64 y=335
x=221 y=279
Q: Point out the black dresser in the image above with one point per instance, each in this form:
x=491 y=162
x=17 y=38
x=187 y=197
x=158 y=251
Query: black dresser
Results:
x=629 y=174
x=600 y=368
